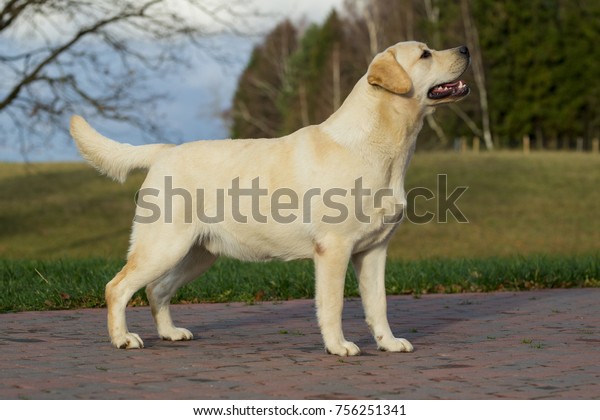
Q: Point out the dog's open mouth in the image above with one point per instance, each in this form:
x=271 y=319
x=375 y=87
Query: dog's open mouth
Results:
x=445 y=90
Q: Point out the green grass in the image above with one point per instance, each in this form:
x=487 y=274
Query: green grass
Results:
x=516 y=205
x=543 y=203
x=66 y=210
x=65 y=284
x=64 y=231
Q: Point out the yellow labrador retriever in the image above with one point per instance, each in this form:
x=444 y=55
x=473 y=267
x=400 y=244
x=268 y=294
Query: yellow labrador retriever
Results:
x=333 y=192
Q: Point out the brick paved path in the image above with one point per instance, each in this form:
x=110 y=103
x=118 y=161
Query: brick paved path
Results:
x=541 y=344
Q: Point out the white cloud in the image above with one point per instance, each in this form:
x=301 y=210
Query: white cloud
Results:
x=213 y=15
x=255 y=16
x=312 y=10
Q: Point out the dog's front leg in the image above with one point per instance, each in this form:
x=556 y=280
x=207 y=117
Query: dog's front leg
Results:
x=331 y=263
x=370 y=270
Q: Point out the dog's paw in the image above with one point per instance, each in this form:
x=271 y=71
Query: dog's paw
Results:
x=345 y=348
x=128 y=341
x=176 y=334
x=396 y=345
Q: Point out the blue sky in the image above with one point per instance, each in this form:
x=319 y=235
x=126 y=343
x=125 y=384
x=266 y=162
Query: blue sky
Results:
x=196 y=94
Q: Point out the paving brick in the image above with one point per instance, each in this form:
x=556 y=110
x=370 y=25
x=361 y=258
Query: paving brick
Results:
x=526 y=345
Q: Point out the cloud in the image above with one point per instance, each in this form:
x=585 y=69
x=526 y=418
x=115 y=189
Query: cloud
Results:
x=196 y=94
x=56 y=24
x=312 y=10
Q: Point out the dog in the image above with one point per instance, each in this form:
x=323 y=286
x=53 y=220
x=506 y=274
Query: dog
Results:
x=348 y=172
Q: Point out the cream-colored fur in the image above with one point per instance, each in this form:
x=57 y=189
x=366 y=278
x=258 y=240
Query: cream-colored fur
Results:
x=371 y=137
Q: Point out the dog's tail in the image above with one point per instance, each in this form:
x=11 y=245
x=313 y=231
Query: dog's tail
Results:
x=110 y=157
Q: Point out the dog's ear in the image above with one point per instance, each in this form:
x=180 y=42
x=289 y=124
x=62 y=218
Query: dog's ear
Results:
x=386 y=72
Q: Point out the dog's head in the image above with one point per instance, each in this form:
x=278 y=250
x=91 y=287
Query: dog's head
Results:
x=415 y=70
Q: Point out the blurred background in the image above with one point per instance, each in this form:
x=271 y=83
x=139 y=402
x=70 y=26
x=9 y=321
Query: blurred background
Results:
x=180 y=70
x=143 y=70
x=525 y=142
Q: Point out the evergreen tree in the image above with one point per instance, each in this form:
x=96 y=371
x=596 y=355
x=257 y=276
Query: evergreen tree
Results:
x=540 y=67
x=255 y=111
x=310 y=97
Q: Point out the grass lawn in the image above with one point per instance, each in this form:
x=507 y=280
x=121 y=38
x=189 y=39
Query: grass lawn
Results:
x=516 y=205
x=545 y=203
x=65 y=284
x=533 y=222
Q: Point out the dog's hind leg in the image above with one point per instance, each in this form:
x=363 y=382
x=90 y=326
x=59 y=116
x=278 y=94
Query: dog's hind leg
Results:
x=160 y=292
x=149 y=260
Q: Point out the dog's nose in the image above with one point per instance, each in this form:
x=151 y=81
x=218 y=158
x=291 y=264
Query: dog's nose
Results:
x=464 y=50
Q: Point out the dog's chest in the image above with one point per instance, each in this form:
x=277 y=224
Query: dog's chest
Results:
x=384 y=220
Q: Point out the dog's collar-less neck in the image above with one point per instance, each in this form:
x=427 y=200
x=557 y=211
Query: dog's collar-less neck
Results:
x=368 y=131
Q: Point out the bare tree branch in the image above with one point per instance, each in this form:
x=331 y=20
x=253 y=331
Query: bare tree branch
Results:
x=97 y=56
x=31 y=76
x=12 y=9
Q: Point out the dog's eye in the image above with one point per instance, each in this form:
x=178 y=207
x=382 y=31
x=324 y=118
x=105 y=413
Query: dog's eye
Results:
x=426 y=54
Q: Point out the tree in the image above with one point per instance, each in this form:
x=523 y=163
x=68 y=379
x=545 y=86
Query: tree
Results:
x=319 y=77
x=534 y=69
x=255 y=109
x=478 y=71
x=541 y=62
x=94 y=57
x=576 y=101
